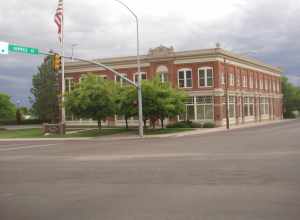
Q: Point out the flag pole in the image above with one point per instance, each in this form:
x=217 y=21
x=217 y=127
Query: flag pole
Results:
x=63 y=113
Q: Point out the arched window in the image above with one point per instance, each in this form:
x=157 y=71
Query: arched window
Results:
x=163 y=73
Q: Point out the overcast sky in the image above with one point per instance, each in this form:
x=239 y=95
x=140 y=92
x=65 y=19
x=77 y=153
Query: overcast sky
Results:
x=265 y=29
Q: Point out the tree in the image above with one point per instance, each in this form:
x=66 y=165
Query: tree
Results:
x=93 y=98
x=45 y=104
x=291 y=98
x=7 y=108
x=126 y=102
x=160 y=101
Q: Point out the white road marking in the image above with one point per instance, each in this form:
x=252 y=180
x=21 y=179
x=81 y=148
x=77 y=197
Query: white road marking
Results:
x=197 y=156
x=27 y=147
x=12 y=145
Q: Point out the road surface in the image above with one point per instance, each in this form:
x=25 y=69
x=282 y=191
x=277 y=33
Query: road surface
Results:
x=249 y=174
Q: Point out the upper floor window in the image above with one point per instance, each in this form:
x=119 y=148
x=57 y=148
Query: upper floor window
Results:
x=205 y=76
x=163 y=77
x=222 y=79
x=120 y=80
x=136 y=76
x=162 y=70
x=69 y=84
x=261 y=84
x=250 y=82
x=244 y=81
x=231 y=79
x=266 y=84
x=237 y=80
x=185 y=78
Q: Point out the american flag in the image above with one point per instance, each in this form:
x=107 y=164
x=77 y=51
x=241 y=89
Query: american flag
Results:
x=58 y=19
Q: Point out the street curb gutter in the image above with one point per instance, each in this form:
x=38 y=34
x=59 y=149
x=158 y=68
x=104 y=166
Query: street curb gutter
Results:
x=181 y=134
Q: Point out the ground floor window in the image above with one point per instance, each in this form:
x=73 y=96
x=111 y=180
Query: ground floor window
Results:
x=198 y=108
x=264 y=106
x=231 y=106
x=248 y=106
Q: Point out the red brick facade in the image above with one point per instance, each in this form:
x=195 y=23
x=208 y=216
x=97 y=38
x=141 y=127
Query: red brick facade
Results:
x=254 y=88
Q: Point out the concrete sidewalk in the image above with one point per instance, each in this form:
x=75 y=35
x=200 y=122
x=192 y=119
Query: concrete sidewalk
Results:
x=199 y=131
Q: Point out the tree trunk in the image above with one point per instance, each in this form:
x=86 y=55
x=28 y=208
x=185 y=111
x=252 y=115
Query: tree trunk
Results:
x=145 y=123
x=162 y=122
x=126 y=122
x=153 y=123
x=99 y=125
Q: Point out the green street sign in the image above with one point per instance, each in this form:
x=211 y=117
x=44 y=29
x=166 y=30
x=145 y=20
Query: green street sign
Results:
x=21 y=49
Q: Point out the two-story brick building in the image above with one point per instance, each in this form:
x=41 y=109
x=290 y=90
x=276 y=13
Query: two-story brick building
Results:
x=254 y=88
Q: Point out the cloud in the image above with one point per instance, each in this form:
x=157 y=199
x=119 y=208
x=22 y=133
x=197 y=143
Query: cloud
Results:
x=267 y=30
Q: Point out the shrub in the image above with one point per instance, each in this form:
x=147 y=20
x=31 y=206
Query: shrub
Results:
x=209 y=125
x=196 y=125
x=180 y=124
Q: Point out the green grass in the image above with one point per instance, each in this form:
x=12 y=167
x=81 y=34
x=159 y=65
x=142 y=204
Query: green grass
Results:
x=22 y=133
x=37 y=132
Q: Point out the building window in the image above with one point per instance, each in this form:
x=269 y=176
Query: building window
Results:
x=244 y=81
x=222 y=79
x=136 y=76
x=266 y=84
x=69 y=85
x=205 y=76
x=250 y=82
x=231 y=106
x=162 y=71
x=261 y=84
x=198 y=108
x=185 y=78
x=237 y=80
x=163 y=76
x=248 y=106
x=231 y=79
x=204 y=105
x=120 y=80
x=264 y=106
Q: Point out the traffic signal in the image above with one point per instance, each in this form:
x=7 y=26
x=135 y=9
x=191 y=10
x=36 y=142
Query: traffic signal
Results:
x=56 y=62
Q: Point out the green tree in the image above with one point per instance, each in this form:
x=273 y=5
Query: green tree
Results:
x=291 y=98
x=7 y=108
x=160 y=101
x=45 y=102
x=126 y=102
x=93 y=98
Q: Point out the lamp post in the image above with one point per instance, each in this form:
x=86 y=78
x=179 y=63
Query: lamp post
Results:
x=139 y=84
x=226 y=94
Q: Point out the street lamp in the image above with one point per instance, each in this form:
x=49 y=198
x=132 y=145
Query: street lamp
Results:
x=139 y=84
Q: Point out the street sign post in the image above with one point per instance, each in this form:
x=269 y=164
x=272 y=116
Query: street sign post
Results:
x=21 y=49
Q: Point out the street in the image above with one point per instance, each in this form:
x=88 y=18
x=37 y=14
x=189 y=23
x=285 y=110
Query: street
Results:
x=251 y=173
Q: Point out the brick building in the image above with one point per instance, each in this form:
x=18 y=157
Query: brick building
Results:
x=254 y=88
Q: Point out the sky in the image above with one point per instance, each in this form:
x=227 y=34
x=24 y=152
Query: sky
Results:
x=268 y=30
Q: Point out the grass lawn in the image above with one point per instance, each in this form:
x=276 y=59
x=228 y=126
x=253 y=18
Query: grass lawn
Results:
x=22 y=133
x=37 y=132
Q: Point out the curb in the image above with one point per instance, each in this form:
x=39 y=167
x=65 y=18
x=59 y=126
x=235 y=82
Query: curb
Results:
x=181 y=134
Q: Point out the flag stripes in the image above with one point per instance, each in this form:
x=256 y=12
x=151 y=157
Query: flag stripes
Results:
x=58 y=19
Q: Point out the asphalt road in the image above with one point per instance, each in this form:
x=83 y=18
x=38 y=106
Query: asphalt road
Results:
x=251 y=173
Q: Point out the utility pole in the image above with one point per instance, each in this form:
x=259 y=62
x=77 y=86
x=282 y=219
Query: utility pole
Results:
x=226 y=93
